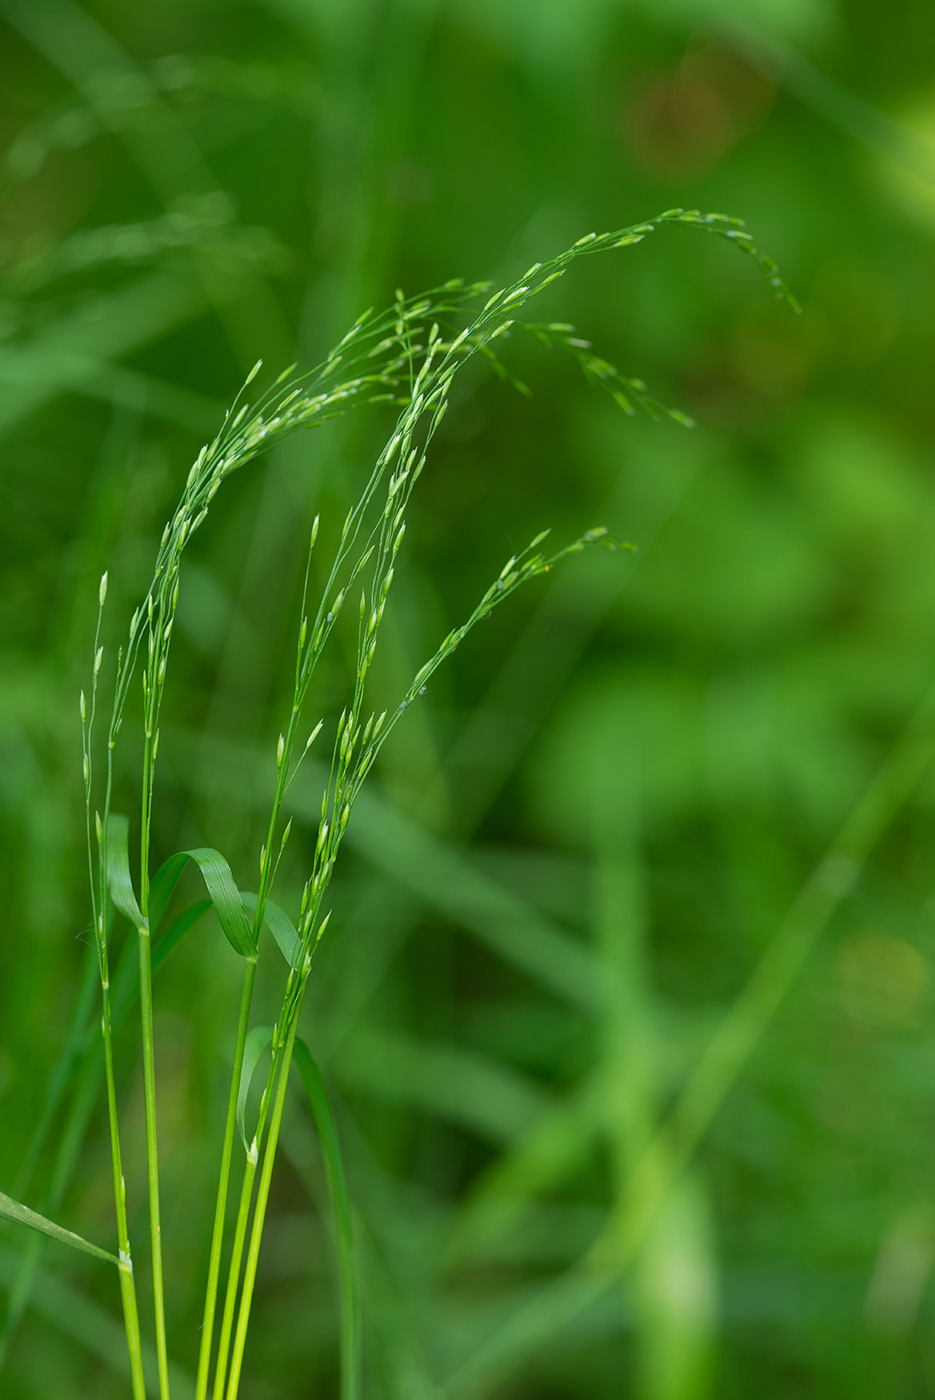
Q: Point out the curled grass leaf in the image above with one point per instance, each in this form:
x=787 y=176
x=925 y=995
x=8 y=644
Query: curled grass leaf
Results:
x=119 y=879
x=222 y=890
x=280 y=926
x=258 y=1040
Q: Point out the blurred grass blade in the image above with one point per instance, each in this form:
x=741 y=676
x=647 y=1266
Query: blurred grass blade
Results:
x=14 y=1210
x=75 y=1056
x=675 y=1327
x=71 y=1312
x=552 y=1150
x=71 y=1056
x=744 y=1025
x=177 y=931
x=445 y=878
x=341 y=1205
x=678 y=1323
x=78 y=1063
x=78 y=347
x=83 y=1093
x=715 y=1072
x=490 y=1099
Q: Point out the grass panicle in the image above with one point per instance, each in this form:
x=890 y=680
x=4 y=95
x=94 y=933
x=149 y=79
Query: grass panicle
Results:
x=407 y=358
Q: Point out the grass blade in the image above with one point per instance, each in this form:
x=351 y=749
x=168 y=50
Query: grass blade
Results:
x=162 y=887
x=215 y=871
x=221 y=887
x=257 y=1041
x=14 y=1210
x=280 y=925
x=225 y=897
x=119 y=879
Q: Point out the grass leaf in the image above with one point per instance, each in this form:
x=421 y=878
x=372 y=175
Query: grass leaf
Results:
x=163 y=886
x=119 y=879
x=224 y=894
x=280 y=925
x=14 y=1210
x=257 y=1041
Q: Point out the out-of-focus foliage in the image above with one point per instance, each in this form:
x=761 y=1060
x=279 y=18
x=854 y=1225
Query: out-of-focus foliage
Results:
x=624 y=1111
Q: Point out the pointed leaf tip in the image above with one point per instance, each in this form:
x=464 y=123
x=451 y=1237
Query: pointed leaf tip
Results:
x=15 y=1210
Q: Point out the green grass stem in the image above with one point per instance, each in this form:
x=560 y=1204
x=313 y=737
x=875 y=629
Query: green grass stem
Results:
x=220 y=1209
x=152 y=1154
x=259 y=1214
x=234 y=1271
x=127 y=1284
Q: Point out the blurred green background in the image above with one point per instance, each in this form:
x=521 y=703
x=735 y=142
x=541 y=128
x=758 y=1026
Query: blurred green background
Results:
x=631 y=1049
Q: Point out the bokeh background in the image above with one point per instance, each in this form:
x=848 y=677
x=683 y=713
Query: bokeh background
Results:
x=626 y=1008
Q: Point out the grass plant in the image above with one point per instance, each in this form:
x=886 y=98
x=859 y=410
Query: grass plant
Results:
x=407 y=358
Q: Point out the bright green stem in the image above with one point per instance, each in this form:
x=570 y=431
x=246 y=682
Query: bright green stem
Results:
x=132 y=1321
x=259 y=1215
x=233 y=1277
x=220 y=1210
x=131 y=1317
x=152 y=1153
x=240 y=1234
x=267 y=874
